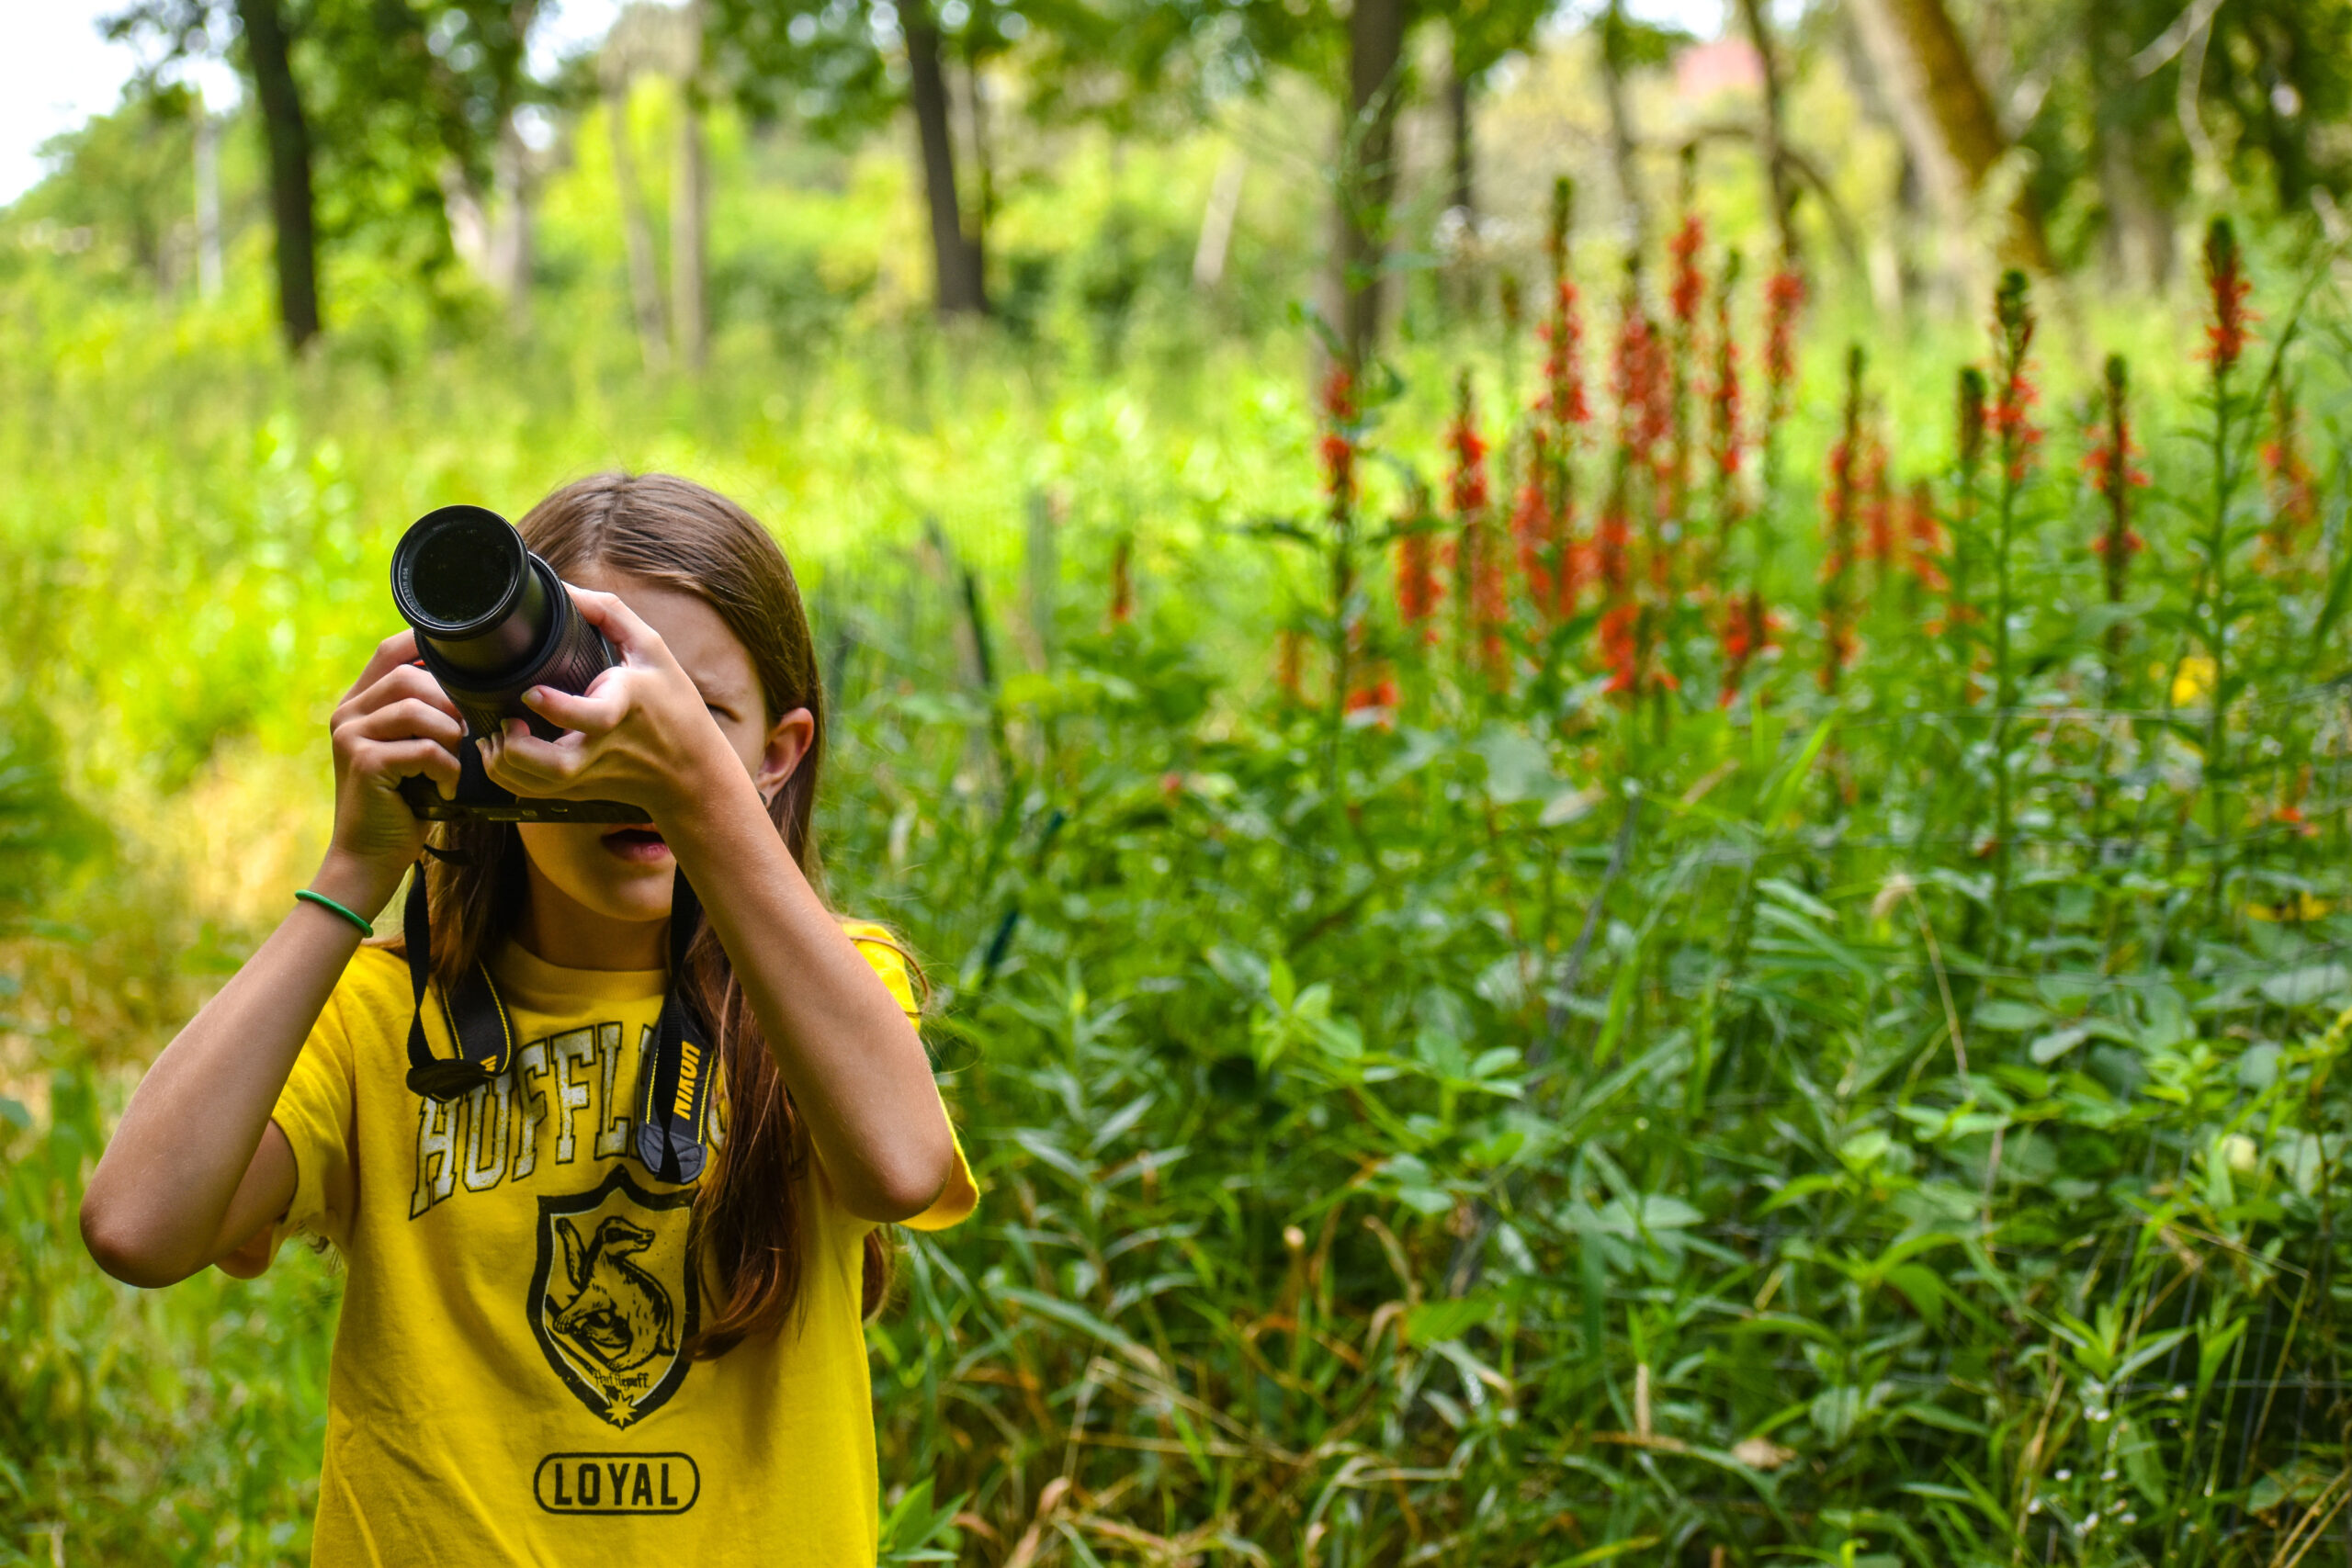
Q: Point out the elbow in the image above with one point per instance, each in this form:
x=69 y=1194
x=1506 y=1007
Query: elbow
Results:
x=898 y=1189
x=127 y=1250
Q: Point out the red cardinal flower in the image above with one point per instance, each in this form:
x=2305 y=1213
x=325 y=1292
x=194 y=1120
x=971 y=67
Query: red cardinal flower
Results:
x=1688 y=288
x=1466 y=487
x=1122 y=587
x=2014 y=394
x=1924 y=536
x=1533 y=526
x=1418 y=589
x=1723 y=391
x=2227 y=285
x=1338 y=447
x=1783 y=298
x=1288 y=646
x=2295 y=492
x=1377 y=692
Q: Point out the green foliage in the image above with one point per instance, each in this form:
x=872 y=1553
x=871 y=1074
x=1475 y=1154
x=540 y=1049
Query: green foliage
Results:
x=182 y=1427
x=1509 y=1125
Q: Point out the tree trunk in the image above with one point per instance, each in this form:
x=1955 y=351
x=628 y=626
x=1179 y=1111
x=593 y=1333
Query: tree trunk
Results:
x=689 y=208
x=1774 y=138
x=1622 y=143
x=956 y=264
x=636 y=228
x=290 y=207
x=983 y=166
x=1216 y=220
x=1368 y=170
x=1944 y=114
x=689 y=232
x=510 y=239
x=1464 y=195
x=208 y=201
x=2138 y=238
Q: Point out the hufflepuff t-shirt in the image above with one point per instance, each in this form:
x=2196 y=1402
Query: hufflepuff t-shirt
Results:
x=508 y=1384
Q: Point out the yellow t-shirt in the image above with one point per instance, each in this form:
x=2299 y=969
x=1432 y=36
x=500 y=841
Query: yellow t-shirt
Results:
x=506 y=1385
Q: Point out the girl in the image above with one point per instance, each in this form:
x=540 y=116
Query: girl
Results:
x=547 y=1352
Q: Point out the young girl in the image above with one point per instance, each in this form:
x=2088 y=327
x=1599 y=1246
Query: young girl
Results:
x=547 y=1353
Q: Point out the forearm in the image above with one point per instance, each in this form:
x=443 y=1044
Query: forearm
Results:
x=154 y=1207
x=855 y=1064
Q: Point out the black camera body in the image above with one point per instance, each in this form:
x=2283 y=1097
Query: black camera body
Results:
x=492 y=620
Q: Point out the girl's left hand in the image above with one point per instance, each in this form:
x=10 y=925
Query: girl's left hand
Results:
x=641 y=733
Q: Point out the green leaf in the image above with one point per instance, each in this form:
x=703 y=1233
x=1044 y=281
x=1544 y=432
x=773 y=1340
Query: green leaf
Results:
x=1936 y=1416
x=1608 y=1552
x=2009 y=1017
x=2310 y=984
x=1569 y=805
x=1447 y=1319
x=1791 y=784
x=2051 y=1046
x=2339 y=589
x=1071 y=1315
x=1922 y=1288
x=1518 y=766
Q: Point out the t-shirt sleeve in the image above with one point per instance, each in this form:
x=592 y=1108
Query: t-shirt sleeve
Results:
x=314 y=1112
x=962 y=1194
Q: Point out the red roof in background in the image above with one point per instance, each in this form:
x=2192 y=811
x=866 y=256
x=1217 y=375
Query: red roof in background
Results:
x=1722 y=65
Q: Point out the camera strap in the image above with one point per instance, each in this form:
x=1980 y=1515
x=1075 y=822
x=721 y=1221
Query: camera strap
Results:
x=673 y=1075
x=476 y=1012
x=673 y=1078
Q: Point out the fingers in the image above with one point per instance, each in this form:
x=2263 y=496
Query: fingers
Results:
x=410 y=717
x=398 y=684
x=620 y=623
x=603 y=706
x=519 y=761
x=393 y=652
x=396 y=760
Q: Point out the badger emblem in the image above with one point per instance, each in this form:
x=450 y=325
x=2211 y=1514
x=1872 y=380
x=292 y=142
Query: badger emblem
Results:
x=613 y=1295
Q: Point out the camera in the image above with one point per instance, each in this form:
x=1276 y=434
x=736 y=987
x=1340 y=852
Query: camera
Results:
x=492 y=620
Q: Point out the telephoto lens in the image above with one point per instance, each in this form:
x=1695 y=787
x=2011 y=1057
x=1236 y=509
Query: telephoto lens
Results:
x=492 y=620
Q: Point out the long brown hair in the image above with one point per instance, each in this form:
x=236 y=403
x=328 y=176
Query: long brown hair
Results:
x=747 y=1211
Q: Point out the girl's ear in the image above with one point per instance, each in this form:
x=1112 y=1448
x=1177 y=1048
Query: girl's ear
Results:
x=787 y=742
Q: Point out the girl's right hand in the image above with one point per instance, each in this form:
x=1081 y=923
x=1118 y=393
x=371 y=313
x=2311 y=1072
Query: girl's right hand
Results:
x=393 y=724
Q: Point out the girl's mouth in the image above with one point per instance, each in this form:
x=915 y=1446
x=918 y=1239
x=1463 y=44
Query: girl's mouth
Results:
x=638 y=846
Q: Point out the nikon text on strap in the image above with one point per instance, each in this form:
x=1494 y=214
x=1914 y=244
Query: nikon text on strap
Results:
x=673 y=1077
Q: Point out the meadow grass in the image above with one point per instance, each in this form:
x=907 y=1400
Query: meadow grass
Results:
x=1521 y=1125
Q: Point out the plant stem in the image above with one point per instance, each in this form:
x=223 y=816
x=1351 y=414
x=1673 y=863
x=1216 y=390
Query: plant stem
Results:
x=2216 y=553
x=2004 y=691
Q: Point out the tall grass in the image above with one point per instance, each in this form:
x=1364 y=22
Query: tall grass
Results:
x=1504 y=1121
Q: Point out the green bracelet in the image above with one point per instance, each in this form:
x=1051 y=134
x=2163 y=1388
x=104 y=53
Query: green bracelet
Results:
x=367 y=927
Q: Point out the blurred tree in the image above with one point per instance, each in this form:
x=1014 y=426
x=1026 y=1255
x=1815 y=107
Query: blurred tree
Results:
x=845 y=67
x=122 y=179
x=1772 y=132
x=371 y=111
x=1617 y=57
x=1191 y=53
x=1945 y=114
x=642 y=38
x=2122 y=102
x=1367 y=170
x=690 y=201
x=1480 y=33
x=269 y=64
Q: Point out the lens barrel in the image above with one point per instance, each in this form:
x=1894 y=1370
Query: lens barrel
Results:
x=463 y=579
x=492 y=620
